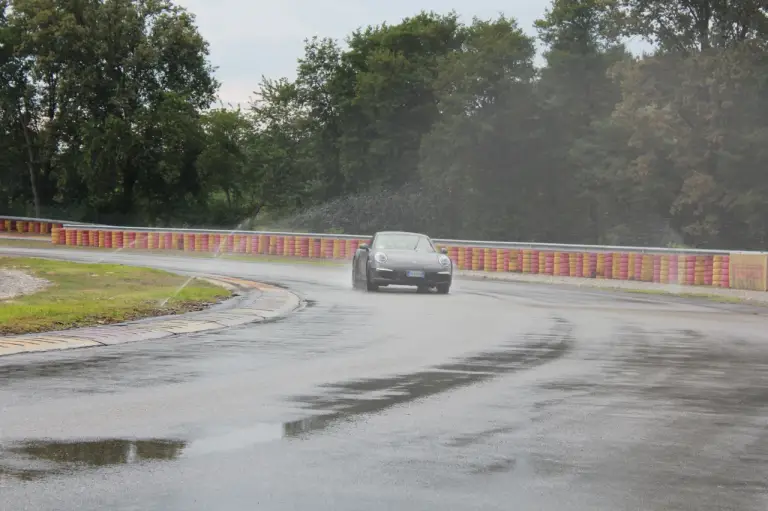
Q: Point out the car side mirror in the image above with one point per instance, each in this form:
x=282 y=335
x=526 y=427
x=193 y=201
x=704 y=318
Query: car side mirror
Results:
x=444 y=251
x=363 y=246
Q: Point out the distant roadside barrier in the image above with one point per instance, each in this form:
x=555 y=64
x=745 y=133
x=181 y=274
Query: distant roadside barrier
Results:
x=22 y=225
x=689 y=267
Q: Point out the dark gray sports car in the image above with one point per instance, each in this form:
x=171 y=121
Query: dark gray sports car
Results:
x=401 y=259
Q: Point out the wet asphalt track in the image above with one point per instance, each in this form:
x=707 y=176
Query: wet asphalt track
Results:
x=497 y=396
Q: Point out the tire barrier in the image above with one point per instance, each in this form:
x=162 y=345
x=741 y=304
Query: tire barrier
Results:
x=272 y=244
x=739 y=270
x=31 y=226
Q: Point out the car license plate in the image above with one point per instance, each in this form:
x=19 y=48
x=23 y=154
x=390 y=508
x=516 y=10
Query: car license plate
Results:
x=415 y=273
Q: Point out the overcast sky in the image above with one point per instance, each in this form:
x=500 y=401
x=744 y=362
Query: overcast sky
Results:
x=251 y=38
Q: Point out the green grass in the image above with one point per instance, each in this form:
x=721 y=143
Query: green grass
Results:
x=96 y=294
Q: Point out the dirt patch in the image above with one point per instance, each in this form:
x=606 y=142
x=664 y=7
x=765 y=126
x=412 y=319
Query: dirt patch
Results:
x=15 y=283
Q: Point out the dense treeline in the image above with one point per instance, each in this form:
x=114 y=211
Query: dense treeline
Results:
x=430 y=124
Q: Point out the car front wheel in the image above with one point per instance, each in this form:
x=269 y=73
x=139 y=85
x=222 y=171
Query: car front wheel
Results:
x=443 y=289
x=369 y=286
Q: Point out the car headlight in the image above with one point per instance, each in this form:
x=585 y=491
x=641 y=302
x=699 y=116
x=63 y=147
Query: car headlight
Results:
x=444 y=260
x=380 y=257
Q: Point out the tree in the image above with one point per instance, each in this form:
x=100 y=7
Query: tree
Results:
x=484 y=151
x=12 y=185
x=94 y=84
x=698 y=127
x=223 y=162
x=693 y=25
x=280 y=173
x=577 y=95
x=394 y=104
x=427 y=124
x=323 y=88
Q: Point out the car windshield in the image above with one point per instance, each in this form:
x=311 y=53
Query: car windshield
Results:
x=414 y=242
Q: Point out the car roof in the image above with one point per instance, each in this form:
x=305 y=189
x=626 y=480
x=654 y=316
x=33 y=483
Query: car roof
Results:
x=401 y=232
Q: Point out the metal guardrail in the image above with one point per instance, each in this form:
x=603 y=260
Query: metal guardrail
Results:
x=562 y=247
x=44 y=220
x=217 y=231
x=558 y=247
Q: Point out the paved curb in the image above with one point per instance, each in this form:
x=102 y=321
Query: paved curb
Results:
x=254 y=302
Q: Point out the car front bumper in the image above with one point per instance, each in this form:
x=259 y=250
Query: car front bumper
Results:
x=401 y=277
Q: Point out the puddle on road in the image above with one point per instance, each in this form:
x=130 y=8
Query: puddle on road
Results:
x=37 y=459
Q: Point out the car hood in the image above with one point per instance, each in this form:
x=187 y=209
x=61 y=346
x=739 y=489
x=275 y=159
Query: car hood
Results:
x=411 y=257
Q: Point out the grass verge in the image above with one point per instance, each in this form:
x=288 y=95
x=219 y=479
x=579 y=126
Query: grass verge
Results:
x=97 y=294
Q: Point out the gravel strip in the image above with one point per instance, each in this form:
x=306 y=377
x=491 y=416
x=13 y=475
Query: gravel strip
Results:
x=15 y=283
x=626 y=285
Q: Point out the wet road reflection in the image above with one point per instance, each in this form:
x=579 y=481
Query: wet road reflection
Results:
x=112 y=369
x=36 y=459
x=346 y=400
x=495 y=396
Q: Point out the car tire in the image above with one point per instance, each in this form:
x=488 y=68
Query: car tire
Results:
x=369 y=286
x=443 y=289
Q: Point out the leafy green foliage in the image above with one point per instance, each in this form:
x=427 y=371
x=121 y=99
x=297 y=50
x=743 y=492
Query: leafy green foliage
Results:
x=104 y=101
x=693 y=25
x=430 y=124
